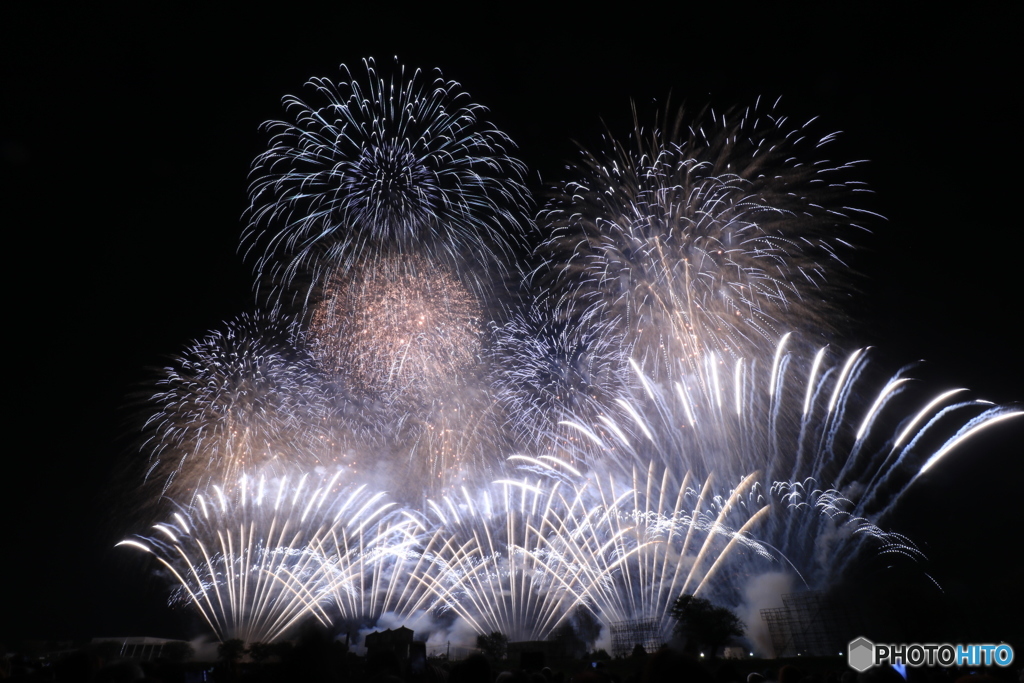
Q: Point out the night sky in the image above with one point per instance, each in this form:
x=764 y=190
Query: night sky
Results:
x=126 y=138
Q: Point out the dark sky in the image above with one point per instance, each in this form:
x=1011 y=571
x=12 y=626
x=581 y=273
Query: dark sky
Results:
x=126 y=139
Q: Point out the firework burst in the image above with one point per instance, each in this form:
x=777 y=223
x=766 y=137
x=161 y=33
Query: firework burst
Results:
x=401 y=332
x=263 y=555
x=691 y=240
x=488 y=564
x=237 y=401
x=833 y=463
x=521 y=555
x=545 y=372
x=633 y=544
x=373 y=167
x=406 y=338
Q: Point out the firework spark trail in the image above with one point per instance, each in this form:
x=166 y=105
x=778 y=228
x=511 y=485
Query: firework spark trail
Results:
x=864 y=448
x=487 y=561
x=236 y=402
x=403 y=330
x=407 y=338
x=271 y=553
x=371 y=167
x=545 y=372
x=367 y=568
x=700 y=240
x=639 y=543
x=522 y=554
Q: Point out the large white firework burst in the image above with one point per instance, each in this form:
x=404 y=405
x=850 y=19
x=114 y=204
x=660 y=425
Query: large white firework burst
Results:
x=708 y=235
x=370 y=166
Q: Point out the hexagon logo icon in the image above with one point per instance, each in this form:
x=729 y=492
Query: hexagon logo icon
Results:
x=861 y=654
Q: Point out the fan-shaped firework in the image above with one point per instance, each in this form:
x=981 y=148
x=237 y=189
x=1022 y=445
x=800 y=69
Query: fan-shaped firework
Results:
x=632 y=545
x=264 y=555
x=801 y=422
x=236 y=401
x=488 y=562
x=521 y=555
x=710 y=238
x=372 y=166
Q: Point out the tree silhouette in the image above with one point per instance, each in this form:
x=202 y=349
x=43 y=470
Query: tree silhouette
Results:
x=260 y=652
x=571 y=645
x=231 y=650
x=177 y=651
x=493 y=646
x=705 y=624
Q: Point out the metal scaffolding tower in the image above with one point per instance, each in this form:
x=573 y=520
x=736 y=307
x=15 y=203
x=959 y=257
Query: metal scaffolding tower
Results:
x=811 y=624
x=626 y=635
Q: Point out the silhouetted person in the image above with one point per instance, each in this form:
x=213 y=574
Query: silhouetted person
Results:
x=669 y=666
x=473 y=669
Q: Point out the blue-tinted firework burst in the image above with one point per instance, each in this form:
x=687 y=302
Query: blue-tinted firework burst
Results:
x=373 y=166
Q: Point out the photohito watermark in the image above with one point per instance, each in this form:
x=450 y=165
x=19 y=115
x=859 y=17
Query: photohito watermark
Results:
x=862 y=654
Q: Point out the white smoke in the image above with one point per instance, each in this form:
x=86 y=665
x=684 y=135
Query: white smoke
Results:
x=437 y=632
x=762 y=592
